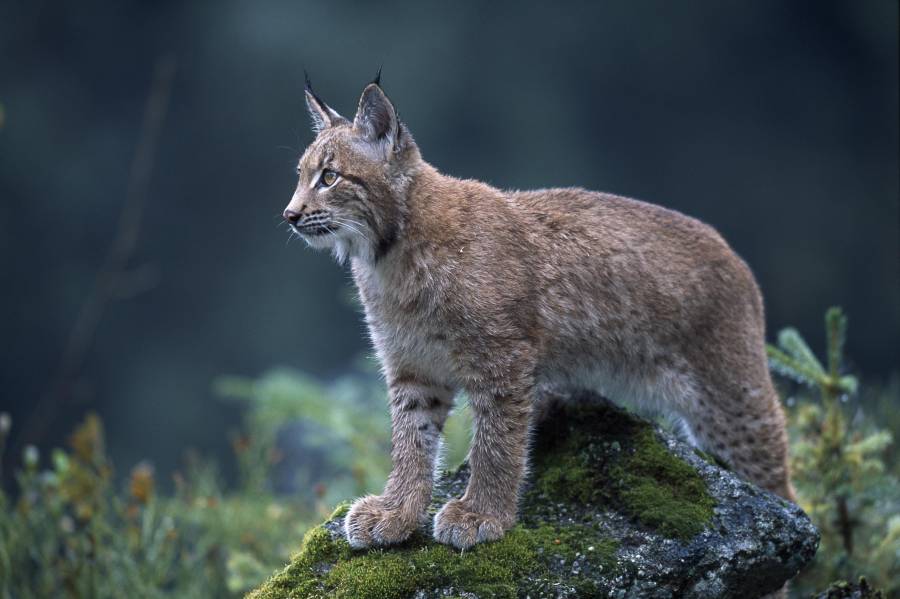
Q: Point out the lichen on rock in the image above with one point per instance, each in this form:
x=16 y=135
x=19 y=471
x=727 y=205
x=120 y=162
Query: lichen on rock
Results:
x=613 y=507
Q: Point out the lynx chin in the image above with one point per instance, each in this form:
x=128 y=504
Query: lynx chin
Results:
x=518 y=296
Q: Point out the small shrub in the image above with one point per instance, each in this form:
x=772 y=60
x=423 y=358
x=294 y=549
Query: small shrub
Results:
x=839 y=465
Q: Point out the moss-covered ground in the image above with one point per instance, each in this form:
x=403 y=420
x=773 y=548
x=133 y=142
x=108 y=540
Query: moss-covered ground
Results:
x=327 y=567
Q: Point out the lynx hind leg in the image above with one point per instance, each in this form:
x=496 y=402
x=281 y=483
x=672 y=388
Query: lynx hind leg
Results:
x=743 y=424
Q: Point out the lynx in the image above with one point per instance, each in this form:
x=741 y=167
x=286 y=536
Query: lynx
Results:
x=512 y=296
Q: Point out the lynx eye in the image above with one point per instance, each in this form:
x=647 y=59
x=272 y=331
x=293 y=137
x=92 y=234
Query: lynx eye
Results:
x=328 y=178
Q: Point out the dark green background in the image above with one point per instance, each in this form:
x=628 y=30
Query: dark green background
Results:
x=774 y=121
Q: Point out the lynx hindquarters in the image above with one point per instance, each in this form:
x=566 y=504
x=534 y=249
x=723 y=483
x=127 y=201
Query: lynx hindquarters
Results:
x=735 y=412
x=738 y=417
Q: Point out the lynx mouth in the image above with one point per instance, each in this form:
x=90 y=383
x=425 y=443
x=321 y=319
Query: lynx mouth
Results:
x=313 y=230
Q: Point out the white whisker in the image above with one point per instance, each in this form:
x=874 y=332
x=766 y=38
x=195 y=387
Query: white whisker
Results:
x=352 y=226
x=353 y=222
x=349 y=227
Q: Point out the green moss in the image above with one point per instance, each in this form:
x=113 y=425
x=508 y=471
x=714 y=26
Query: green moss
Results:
x=573 y=466
x=663 y=491
x=624 y=464
x=489 y=570
x=568 y=543
x=571 y=473
x=318 y=546
x=340 y=510
x=298 y=579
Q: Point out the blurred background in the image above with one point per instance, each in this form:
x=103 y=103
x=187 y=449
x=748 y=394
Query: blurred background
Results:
x=147 y=150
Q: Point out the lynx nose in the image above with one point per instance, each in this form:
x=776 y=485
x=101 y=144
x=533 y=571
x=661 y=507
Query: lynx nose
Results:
x=291 y=216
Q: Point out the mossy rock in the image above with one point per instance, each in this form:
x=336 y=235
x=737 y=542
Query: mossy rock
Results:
x=613 y=507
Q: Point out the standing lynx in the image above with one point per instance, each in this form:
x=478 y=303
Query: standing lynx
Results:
x=509 y=295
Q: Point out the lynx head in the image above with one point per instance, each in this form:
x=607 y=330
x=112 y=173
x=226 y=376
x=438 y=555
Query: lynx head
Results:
x=353 y=178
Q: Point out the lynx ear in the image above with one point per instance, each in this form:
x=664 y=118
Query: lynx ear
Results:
x=323 y=116
x=376 y=119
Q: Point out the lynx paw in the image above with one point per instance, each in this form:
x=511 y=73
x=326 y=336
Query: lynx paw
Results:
x=456 y=524
x=370 y=523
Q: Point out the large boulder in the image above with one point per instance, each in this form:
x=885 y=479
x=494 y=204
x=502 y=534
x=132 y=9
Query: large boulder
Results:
x=614 y=507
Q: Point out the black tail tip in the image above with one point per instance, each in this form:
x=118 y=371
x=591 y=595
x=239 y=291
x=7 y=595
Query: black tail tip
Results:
x=307 y=83
x=377 y=80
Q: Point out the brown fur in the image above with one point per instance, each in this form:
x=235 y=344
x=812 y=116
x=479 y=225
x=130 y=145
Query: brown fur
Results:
x=510 y=296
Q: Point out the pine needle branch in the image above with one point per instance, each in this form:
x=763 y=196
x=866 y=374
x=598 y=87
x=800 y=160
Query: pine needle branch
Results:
x=793 y=343
x=793 y=368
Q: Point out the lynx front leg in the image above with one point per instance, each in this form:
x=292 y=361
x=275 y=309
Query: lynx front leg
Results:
x=418 y=413
x=497 y=460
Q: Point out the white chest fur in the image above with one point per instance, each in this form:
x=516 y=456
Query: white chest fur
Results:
x=402 y=316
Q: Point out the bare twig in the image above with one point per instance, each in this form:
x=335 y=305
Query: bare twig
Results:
x=114 y=280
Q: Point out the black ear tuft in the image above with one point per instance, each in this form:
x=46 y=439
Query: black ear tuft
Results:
x=323 y=116
x=377 y=80
x=307 y=87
